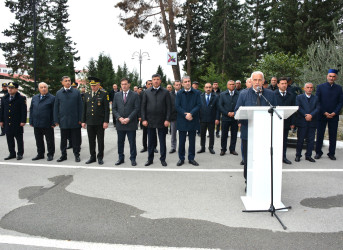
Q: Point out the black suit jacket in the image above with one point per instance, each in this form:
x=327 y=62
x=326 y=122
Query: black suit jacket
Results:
x=227 y=104
x=210 y=112
x=42 y=111
x=288 y=100
x=156 y=107
x=306 y=106
x=129 y=109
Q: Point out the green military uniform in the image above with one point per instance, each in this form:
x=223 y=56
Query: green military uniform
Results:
x=95 y=114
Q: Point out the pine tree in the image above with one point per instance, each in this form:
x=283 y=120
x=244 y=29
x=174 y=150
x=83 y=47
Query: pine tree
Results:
x=105 y=71
x=63 y=53
x=163 y=76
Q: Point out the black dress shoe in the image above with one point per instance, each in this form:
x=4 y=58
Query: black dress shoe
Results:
x=77 y=159
x=144 y=150
x=180 y=163
x=332 y=157
x=285 y=160
x=193 y=162
x=2 y=134
x=155 y=150
x=222 y=153
x=69 y=147
x=217 y=135
x=211 y=151
x=50 y=158
x=172 y=151
x=234 y=152
x=148 y=163
x=91 y=160
x=19 y=157
x=242 y=163
x=297 y=158
x=38 y=157
x=133 y=163
x=317 y=156
x=310 y=159
x=62 y=158
x=119 y=162
x=164 y=164
x=201 y=151
x=100 y=161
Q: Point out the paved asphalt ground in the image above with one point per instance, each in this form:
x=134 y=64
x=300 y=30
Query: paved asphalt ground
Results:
x=77 y=206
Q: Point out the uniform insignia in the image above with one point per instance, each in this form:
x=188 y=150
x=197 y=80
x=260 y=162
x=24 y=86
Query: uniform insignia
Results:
x=108 y=98
x=99 y=103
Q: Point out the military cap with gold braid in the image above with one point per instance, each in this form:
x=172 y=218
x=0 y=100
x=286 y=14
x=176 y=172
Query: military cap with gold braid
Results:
x=74 y=84
x=13 y=85
x=94 y=80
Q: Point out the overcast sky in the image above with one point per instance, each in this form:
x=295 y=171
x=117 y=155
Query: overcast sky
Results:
x=94 y=27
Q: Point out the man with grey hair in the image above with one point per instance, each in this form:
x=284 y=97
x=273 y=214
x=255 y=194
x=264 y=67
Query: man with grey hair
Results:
x=238 y=85
x=252 y=97
x=42 y=120
x=306 y=121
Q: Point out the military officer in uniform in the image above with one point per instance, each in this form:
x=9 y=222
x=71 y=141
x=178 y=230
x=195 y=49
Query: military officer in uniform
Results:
x=95 y=117
x=3 y=92
x=13 y=119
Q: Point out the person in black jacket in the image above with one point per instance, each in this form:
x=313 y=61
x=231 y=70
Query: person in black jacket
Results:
x=13 y=119
x=209 y=117
x=42 y=120
x=148 y=85
x=226 y=105
x=273 y=84
x=177 y=87
x=68 y=115
x=285 y=98
x=155 y=111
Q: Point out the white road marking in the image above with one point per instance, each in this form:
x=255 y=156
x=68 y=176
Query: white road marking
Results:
x=97 y=167
x=66 y=244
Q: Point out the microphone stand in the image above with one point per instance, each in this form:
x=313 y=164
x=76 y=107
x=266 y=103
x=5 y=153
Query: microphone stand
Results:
x=272 y=208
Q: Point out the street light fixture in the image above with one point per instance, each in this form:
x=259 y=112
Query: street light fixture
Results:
x=140 y=56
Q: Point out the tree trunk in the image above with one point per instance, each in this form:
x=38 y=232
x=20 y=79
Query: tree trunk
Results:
x=188 y=20
x=170 y=34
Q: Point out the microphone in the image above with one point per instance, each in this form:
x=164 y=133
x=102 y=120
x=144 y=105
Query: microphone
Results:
x=258 y=90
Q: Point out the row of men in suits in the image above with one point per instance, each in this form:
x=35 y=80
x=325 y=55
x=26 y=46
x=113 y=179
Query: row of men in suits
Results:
x=95 y=118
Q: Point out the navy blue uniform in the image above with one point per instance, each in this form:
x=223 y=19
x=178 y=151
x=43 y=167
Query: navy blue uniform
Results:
x=331 y=100
x=14 y=112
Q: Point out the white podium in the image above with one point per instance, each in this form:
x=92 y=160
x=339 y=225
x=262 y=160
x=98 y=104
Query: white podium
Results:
x=258 y=195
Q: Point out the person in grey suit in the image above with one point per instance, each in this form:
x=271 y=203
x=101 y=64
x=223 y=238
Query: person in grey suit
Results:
x=126 y=105
x=306 y=121
x=68 y=115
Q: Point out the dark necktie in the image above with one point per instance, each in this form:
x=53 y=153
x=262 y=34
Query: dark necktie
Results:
x=124 y=97
x=11 y=98
x=309 y=99
x=258 y=101
x=207 y=100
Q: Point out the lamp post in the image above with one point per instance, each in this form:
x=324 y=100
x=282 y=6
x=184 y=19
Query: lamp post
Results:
x=34 y=44
x=140 y=56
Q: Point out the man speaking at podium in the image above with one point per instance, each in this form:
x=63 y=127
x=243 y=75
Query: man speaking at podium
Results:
x=253 y=97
